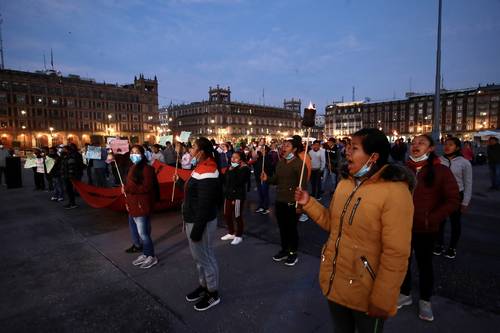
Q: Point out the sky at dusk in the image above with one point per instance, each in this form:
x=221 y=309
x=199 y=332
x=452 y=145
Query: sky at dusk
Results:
x=308 y=49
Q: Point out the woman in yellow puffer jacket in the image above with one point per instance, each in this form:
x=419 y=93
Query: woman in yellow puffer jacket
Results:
x=369 y=220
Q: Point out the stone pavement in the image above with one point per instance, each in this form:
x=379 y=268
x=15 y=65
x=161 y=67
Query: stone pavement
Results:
x=65 y=271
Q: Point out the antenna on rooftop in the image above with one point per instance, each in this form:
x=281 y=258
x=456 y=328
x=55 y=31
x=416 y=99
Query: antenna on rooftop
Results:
x=1 y=44
x=51 y=59
x=44 y=62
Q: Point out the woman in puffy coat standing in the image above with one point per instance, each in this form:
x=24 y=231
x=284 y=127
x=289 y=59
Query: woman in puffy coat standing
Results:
x=435 y=198
x=202 y=196
x=364 y=259
x=139 y=193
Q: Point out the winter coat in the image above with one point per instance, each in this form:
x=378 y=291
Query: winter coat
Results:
x=435 y=203
x=371 y=220
x=140 y=197
x=287 y=177
x=235 y=183
x=462 y=171
x=202 y=195
x=72 y=165
x=269 y=168
x=493 y=152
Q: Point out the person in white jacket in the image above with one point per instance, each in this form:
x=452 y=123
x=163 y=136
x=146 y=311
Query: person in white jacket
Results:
x=462 y=170
x=317 y=155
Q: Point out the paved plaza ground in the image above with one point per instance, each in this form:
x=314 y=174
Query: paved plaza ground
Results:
x=66 y=271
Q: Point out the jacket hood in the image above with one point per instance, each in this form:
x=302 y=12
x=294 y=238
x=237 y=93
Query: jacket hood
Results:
x=390 y=172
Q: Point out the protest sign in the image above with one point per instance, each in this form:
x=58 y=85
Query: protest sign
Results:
x=119 y=146
x=49 y=164
x=30 y=162
x=184 y=137
x=165 y=138
x=93 y=153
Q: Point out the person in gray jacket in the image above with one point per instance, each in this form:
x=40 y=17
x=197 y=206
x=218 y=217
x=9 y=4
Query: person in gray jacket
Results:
x=462 y=170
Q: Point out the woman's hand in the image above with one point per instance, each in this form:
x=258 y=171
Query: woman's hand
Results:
x=175 y=177
x=301 y=196
x=123 y=190
x=263 y=177
x=376 y=312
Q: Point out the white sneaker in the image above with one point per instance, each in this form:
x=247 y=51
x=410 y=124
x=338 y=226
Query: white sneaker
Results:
x=425 y=311
x=303 y=218
x=149 y=262
x=404 y=300
x=140 y=259
x=227 y=237
x=259 y=210
x=237 y=240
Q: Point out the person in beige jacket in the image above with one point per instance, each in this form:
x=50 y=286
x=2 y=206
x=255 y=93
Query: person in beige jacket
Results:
x=364 y=260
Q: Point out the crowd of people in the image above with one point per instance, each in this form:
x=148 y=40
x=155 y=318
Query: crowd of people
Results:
x=365 y=269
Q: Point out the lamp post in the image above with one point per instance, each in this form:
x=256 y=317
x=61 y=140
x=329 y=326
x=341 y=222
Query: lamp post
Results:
x=436 y=128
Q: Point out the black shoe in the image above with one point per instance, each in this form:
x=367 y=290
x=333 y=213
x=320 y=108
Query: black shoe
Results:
x=134 y=249
x=292 y=259
x=196 y=294
x=451 y=253
x=210 y=299
x=280 y=256
x=70 y=206
x=438 y=250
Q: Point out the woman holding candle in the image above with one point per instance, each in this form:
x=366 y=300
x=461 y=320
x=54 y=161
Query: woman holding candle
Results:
x=364 y=260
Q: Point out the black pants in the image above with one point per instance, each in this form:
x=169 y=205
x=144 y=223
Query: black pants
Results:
x=316 y=182
x=456 y=227
x=3 y=175
x=89 y=175
x=39 y=181
x=423 y=245
x=100 y=176
x=287 y=222
x=70 y=190
x=346 y=320
x=50 y=182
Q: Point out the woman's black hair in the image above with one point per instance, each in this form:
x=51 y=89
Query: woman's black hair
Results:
x=431 y=174
x=137 y=175
x=206 y=146
x=297 y=143
x=456 y=141
x=375 y=141
x=241 y=154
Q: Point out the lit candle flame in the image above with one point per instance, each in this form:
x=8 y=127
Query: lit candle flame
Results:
x=311 y=106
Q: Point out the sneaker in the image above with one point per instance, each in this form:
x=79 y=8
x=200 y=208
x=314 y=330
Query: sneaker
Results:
x=196 y=294
x=425 y=311
x=438 y=250
x=292 y=259
x=140 y=259
x=134 y=249
x=259 y=210
x=70 y=206
x=210 y=299
x=265 y=211
x=451 y=253
x=149 y=262
x=236 y=240
x=280 y=256
x=60 y=199
x=404 y=300
x=303 y=218
x=227 y=237
x=53 y=199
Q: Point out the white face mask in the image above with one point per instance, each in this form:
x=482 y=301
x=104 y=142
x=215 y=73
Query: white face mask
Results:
x=419 y=159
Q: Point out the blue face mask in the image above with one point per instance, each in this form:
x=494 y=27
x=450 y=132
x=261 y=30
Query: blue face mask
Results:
x=194 y=161
x=364 y=169
x=289 y=156
x=234 y=164
x=135 y=158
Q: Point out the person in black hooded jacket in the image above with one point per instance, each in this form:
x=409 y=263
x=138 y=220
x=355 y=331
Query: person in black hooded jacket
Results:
x=235 y=180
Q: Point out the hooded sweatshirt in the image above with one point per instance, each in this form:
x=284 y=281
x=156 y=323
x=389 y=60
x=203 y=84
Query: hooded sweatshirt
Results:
x=462 y=170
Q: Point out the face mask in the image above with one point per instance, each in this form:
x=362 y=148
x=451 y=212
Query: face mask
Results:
x=289 y=156
x=234 y=164
x=135 y=158
x=194 y=161
x=59 y=150
x=1 y=146
x=419 y=159
x=364 y=169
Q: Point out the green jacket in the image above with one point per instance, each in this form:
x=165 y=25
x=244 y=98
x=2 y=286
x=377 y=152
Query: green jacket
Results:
x=287 y=177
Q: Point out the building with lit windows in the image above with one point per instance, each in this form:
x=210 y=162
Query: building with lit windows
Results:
x=223 y=119
x=463 y=112
x=46 y=108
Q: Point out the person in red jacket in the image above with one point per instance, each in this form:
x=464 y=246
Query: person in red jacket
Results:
x=139 y=194
x=435 y=197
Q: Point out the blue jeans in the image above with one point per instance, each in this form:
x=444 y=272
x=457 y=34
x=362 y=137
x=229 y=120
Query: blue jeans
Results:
x=263 y=189
x=495 y=175
x=140 y=230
